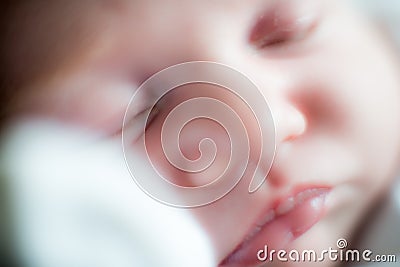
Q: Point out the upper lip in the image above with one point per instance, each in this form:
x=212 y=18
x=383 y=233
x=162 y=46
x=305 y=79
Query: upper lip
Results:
x=282 y=205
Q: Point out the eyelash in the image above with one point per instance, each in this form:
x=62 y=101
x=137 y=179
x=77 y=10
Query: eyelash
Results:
x=282 y=37
x=134 y=125
x=154 y=112
x=276 y=29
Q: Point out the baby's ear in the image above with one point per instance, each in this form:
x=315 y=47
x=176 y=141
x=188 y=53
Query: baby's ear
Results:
x=75 y=204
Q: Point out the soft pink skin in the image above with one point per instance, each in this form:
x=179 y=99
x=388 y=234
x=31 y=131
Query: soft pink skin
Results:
x=334 y=94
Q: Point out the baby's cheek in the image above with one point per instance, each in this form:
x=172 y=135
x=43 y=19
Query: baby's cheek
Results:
x=194 y=145
x=322 y=108
x=349 y=94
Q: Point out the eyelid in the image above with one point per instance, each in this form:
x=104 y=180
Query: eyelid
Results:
x=154 y=111
x=287 y=20
x=146 y=115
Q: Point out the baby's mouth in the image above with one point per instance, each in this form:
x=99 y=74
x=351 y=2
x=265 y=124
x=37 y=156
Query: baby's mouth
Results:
x=279 y=226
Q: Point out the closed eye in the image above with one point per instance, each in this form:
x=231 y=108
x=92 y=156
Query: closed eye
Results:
x=283 y=24
x=154 y=112
x=136 y=127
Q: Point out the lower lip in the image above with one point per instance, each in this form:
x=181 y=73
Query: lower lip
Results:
x=281 y=230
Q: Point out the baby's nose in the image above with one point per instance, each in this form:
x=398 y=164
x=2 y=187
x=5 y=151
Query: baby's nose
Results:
x=290 y=122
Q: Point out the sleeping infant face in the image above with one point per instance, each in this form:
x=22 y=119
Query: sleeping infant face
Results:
x=330 y=80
